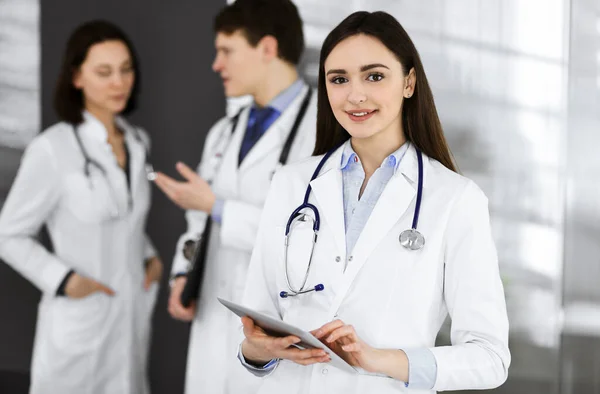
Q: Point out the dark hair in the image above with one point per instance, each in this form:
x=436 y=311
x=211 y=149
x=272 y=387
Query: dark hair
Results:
x=259 y=18
x=68 y=100
x=420 y=120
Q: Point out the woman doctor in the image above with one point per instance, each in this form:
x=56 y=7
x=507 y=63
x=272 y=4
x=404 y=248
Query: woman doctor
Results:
x=403 y=240
x=85 y=179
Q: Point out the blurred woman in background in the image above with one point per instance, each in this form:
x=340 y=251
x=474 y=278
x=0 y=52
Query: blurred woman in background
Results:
x=86 y=179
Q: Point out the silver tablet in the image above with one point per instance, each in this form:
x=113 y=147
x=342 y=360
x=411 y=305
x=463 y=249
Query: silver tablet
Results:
x=277 y=328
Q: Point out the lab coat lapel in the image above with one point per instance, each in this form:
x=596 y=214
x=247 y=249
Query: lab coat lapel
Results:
x=328 y=191
x=137 y=158
x=392 y=205
x=225 y=180
x=93 y=136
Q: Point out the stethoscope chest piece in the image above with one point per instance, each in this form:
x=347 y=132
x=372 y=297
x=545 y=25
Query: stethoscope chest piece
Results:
x=412 y=239
x=150 y=173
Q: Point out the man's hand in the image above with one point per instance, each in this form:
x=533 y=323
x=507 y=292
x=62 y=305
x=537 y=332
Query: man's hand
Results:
x=176 y=308
x=194 y=193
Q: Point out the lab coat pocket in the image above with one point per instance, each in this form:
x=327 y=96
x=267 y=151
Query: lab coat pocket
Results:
x=89 y=198
x=77 y=324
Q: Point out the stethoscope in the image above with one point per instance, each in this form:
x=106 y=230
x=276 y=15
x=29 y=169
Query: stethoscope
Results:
x=225 y=139
x=411 y=239
x=89 y=162
x=198 y=259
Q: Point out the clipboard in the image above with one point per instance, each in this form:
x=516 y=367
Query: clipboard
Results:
x=277 y=328
x=195 y=275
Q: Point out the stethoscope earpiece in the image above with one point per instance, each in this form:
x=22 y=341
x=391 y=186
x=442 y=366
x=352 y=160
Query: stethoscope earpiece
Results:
x=285 y=294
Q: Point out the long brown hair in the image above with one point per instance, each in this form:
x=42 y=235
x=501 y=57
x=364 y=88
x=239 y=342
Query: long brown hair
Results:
x=420 y=120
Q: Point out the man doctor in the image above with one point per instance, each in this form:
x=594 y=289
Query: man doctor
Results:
x=259 y=44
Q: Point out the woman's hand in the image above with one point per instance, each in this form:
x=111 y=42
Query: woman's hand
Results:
x=80 y=287
x=343 y=340
x=154 y=269
x=258 y=347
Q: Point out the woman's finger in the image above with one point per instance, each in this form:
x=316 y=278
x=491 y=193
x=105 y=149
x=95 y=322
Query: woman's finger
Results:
x=249 y=327
x=313 y=360
x=327 y=328
x=345 y=331
x=295 y=354
x=104 y=289
x=285 y=342
x=352 y=347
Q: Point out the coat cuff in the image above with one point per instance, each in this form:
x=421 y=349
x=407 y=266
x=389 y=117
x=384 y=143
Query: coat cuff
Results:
x=63 y=285
x=266 y=370
x=422 y=368
x=217 y=210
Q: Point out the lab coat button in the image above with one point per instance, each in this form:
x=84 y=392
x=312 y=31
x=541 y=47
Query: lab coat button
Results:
x=338 y=259
x=350 y=258
x=324 y=371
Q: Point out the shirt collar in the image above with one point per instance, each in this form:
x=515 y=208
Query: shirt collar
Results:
x=95 y=130
x=286 y=97
x=349 y=157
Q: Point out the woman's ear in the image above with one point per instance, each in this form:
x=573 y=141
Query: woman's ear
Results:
x=77 y=83
x=410 y=82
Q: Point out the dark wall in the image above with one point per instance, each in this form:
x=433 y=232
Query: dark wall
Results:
x=181 y=98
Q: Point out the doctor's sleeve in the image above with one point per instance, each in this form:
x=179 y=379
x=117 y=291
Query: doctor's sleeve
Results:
x=479 y=356
x=32 y=198
x=261 y=292
x=239 y=224
x=196 y=221
x=144 y=139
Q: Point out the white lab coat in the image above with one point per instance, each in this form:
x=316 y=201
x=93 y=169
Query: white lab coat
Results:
x=395 y=298
x=98 y=344
x=211 y=364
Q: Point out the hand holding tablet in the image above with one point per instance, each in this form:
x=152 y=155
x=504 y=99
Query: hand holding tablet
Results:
x=276 y=328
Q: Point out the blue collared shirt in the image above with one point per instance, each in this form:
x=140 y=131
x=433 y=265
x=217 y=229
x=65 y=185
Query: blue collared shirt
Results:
x=280 y=103
x=422 y=367
x=357 y=210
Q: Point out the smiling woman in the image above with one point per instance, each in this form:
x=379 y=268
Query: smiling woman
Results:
x=381 y=168
x=400 y=99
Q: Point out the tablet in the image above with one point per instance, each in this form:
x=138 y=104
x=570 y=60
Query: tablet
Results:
x=277 y=328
